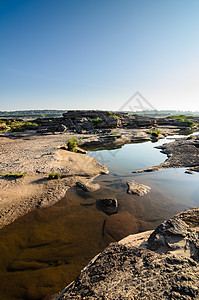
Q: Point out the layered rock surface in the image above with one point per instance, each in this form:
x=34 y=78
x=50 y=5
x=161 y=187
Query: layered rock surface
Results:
x=162 y=264
x=87 y=121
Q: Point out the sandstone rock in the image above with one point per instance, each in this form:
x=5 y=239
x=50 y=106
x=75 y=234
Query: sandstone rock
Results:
x=128 y=270
x=88 y=187
x=176 y=235
x=80 y=150
x=137 y=188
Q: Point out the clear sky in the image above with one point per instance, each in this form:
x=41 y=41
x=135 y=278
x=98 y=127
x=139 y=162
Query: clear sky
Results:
x=95 y=54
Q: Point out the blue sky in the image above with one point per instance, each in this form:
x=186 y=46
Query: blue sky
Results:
x=95 y=54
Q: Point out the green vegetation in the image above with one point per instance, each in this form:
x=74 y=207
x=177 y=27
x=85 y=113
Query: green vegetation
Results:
x=154 y=132
x=14 y=175
x=22 y=126
x=113 y=115
x=96 y=121
x=183 y=119
x=54 y=176
x=18 y=125
x=113 y=133
x=191 y=137
x=190 y=123
x=73 y=143
x=32 y=114
x=179 y=116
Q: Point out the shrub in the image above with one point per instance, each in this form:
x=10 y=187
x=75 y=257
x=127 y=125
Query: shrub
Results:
x=17 y=126
x=113 y=115
x=96 y=121
x=14 y=175
x=154 y=132
x=54 y=176
x=190 y=123
x=183 y=119
x=73 y=143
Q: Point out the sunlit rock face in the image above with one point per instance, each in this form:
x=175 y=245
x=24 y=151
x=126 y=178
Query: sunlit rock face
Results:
x=162 y=264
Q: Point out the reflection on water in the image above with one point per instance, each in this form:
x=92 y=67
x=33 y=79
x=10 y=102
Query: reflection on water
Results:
x=129 y=157
x=45 y=250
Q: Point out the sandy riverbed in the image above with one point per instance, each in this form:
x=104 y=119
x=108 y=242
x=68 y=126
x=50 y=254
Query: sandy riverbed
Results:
x=37 y=156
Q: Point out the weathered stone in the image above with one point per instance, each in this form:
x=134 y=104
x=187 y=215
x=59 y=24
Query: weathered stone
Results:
x=128 y=270
x=161 y=236
x=88 y=187
x=80 y=150
x=137 y=188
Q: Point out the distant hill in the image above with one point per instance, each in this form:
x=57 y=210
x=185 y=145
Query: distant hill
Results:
x=163 y=113
x=33 y=114
x=47 y=113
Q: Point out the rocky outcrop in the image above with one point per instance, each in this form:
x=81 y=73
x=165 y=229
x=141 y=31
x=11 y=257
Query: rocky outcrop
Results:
x=158 y=265
x=89 y=121
x=137 y=188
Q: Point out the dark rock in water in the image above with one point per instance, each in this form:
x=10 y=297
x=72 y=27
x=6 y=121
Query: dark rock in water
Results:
x=122 y=224
x=189 y=172
x=108 y=205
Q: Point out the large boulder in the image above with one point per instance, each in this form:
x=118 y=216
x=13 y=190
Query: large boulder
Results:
x=128 y=270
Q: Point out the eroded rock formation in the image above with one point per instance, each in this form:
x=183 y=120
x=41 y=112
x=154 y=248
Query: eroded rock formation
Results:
x=152 y=265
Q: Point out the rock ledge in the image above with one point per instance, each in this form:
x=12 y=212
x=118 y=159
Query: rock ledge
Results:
x=129 y=269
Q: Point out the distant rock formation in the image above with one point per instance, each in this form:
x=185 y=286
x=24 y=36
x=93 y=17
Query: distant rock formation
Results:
x=163 y=264
x=83 y=121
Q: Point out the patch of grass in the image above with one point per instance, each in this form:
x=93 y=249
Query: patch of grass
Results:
x=154 y=132
x=179 y=116
x=14 y=175
x=54 y=176
x=113 y=133
x=22 y=126
x=73 y=143
x=113 y=115
x=190 y=123
x=96 y=121
x=183 y=119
